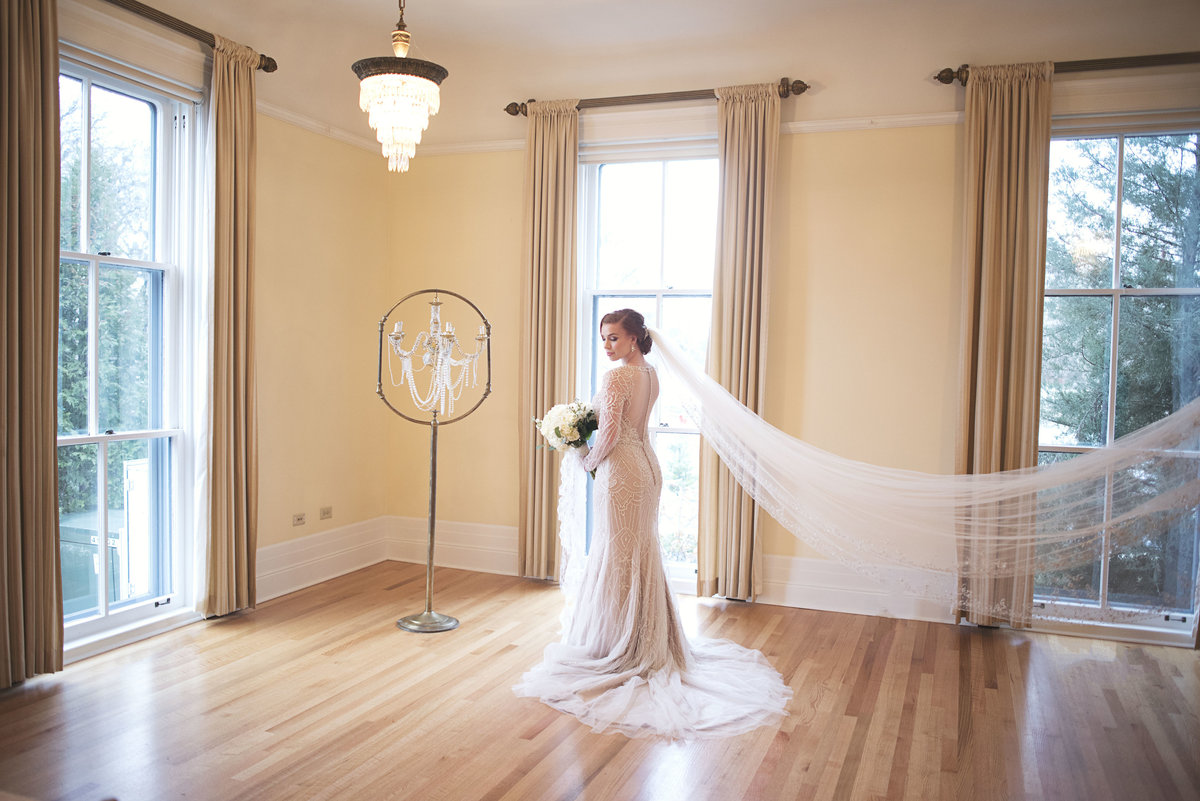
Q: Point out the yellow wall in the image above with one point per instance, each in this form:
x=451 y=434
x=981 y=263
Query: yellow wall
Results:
x=321 y=254
x=456 y=225
x=863 y=333
x=864 y=315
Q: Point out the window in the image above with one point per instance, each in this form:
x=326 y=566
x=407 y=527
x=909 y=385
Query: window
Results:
x=648 y=237
x=1121 y=341
x=124 y=149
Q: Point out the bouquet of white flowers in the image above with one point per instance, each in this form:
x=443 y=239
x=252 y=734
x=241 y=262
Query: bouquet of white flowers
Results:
x=568 y=425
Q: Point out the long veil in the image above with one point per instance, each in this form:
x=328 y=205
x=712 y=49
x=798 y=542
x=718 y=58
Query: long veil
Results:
x=925 y=534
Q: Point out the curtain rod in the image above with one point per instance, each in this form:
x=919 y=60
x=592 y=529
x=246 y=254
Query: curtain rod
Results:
x=265 y=63
x=1126 y=62
x=786 y=88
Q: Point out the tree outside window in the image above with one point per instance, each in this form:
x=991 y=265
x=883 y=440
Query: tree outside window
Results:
x=1121 y=339
x=114 y=457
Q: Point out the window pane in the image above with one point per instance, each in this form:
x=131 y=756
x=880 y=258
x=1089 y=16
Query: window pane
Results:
x=1081 y=214
x=1160 y=212
x=130 y=302
x=630 y=225
x=1075 y=363
x=679 y=458
x=73 y=376
x=121 y=176
x=70 y=132
x=1152 y=561
x=79 y=529
x=686 y=321
x=1158 y=365
x=690 y=224
x=138 y=488
x=1080 y=582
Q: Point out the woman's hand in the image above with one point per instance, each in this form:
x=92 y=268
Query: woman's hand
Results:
x=583 y=452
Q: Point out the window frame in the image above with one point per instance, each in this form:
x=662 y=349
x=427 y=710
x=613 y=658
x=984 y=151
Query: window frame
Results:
x=681 y=576
x=1100 y=617
x=174 y=235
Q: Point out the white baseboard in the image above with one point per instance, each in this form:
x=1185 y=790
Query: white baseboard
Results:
x=481 y=547
x=829 y=586
x=293 y=565
x=787 y=581
x=296 y=564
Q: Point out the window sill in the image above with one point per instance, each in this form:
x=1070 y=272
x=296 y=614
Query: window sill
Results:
x=1147 y=629
x=82 y=647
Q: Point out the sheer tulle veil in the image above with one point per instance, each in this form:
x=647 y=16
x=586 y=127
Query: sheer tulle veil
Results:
x=921 y=533
x=916 y=534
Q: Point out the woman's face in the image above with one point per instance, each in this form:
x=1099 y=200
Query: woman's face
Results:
x=618 y=343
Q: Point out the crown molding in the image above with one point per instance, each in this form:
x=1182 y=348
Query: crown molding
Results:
x=620 y=129
x=368 y=143
x=313 y=126
x=874 y=123
x=459 y=148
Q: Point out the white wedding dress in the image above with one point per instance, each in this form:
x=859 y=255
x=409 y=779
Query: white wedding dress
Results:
x=624 y=663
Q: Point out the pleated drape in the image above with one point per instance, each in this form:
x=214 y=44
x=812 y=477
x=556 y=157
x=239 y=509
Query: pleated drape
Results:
x=548 y=320
x=31 y=624
x=233 y=473
x=729 y=552
x=1007 y=158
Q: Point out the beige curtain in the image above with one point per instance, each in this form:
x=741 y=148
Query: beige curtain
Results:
x=729 y=551
x=1007 y=174
x=548 y=320
x=31 y=628
x=230 y=584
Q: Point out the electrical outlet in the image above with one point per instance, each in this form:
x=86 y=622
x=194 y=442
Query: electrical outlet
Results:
x=326 y=512
x=298 y=519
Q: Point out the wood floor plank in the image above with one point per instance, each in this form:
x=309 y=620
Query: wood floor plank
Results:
x=318 y=695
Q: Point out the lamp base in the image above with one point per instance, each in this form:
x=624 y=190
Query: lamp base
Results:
x=427 y=622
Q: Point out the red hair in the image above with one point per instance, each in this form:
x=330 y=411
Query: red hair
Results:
x=631 y=322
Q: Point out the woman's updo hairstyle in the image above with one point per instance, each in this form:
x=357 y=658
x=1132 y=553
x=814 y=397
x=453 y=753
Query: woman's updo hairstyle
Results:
x=631 y=322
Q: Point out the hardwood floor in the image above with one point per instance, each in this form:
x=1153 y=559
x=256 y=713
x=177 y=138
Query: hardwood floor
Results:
x=318 y=695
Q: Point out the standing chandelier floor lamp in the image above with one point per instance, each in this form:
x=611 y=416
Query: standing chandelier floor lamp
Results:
x=437 y=370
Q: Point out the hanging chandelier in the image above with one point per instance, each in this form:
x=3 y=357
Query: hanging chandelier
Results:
x=399 y=94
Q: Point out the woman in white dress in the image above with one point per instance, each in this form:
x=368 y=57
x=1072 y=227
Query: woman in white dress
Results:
x=624 y=663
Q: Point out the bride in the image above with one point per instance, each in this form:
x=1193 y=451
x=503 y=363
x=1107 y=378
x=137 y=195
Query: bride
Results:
x=624 y=663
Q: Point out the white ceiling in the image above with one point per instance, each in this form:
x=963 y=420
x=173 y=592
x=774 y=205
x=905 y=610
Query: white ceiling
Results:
x=863 y=57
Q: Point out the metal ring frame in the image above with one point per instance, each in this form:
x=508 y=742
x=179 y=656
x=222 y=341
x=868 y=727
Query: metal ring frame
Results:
x=379 y=378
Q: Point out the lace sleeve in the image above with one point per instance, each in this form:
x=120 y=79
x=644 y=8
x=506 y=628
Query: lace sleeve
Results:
x=614 y=393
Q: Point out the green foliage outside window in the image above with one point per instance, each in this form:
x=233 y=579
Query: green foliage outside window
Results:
x=1132 y=202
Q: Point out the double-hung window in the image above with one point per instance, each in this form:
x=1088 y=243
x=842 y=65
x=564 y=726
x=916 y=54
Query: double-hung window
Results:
x=647 y=242
x=1121 y=347
x=125 y=158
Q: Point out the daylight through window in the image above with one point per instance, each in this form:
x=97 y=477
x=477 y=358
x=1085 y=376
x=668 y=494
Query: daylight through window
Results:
x=648 y=239
x=119 y=144
x=1121 y=340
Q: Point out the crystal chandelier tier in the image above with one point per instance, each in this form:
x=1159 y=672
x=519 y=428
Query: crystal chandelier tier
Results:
x=399 y=94
x=450 y=367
